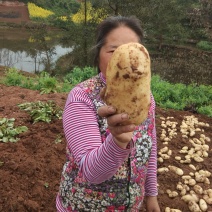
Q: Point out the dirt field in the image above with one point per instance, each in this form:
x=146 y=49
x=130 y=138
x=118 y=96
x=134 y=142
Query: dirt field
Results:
x=14 y=12
x=30 y=169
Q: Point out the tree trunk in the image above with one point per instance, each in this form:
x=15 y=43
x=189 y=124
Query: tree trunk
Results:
x=160 y=42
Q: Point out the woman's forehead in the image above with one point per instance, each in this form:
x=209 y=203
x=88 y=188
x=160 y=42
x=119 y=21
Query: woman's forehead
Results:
x=119 y=36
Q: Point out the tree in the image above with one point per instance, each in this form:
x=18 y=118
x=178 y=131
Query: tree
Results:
x=165 y=20
x=162 y=20
x=85 y=21
x=39 y=34
x=201 y=14
x=89 y=13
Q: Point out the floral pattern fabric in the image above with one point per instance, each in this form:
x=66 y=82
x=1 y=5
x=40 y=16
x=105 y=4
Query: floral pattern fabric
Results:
x=125 y=190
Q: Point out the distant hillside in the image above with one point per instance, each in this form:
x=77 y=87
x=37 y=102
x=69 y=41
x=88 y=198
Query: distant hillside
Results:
x=13 y=12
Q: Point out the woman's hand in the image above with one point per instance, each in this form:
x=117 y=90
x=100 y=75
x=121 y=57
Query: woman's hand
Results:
x=152 y=204
x=122 y=134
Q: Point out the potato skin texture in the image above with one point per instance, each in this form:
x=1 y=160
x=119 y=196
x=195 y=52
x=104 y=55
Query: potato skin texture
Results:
x=128 y=78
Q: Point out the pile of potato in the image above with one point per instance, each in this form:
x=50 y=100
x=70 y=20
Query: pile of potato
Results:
x=193 y=188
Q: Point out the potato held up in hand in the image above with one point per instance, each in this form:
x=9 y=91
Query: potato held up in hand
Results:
x=128 y=79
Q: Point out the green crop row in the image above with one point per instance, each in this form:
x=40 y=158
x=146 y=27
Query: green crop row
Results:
x=39 y=111
x=196 y=98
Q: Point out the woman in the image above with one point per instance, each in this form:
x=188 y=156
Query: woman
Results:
x=109 y=167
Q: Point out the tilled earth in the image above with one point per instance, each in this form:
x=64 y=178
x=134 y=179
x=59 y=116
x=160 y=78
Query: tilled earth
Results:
x=30 y=168
x=14 y=12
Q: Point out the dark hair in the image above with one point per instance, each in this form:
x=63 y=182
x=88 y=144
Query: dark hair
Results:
x=110 y=23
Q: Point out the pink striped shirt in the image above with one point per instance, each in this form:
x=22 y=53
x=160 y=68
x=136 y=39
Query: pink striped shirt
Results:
x=98 y=161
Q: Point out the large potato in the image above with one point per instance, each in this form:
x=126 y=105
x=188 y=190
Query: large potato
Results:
x=128 y=79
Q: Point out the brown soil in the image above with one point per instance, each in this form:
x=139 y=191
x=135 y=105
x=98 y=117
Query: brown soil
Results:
x=14 y=12
x=30 y=168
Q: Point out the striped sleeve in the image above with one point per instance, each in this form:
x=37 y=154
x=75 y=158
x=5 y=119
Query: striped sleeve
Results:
x=98 y=162
x=151 y=178
x=59 y=206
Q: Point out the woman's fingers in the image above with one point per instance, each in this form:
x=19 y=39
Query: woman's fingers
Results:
x=112 y=118
x=102 y=93
x=117 y=119
x=106 y=111
x=116 y=130
x=121 y=133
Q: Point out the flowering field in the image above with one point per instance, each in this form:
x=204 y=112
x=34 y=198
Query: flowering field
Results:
x=38 y=12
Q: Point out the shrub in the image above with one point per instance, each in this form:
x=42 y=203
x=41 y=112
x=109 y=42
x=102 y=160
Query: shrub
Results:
x=206 y=110
x=13 y=78
x=78 y=75
x=47 y=84
x=167 y=95
x=182 y=97
x=205 y=45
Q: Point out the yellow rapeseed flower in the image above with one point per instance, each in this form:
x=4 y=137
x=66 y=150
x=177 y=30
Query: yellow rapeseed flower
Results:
x=38 y=12
x=92 y=15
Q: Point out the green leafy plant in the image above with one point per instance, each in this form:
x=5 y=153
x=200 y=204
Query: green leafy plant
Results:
x=42 y=111
x=206 y=110
x=205 y=45
x=8 y=132
x=46 y=185
x=182 y=97
x=14 y=78
x=47 y=84
x=196 y=98
x=58 y=139
x=78 y=75
x=66 y=86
